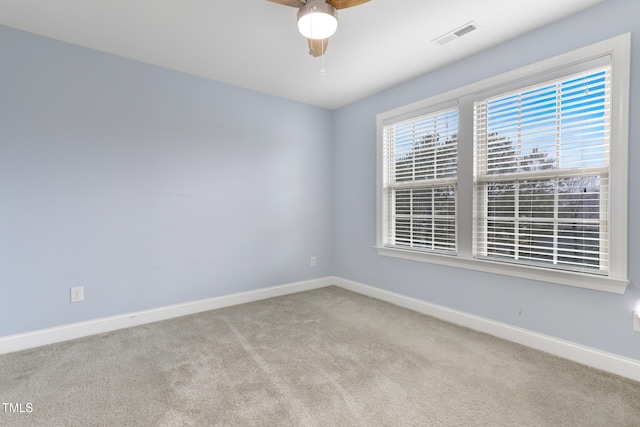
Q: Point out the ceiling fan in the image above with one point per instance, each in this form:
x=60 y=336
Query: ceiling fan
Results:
x=318 y=20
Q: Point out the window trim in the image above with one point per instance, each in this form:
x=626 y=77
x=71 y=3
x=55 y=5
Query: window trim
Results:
x=618 y=50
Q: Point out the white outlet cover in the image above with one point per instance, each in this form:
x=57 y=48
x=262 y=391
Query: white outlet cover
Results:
x=636 y=321
x=77 y=294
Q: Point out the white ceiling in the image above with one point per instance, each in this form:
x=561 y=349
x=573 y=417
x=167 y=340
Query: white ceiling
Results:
x=255 y=43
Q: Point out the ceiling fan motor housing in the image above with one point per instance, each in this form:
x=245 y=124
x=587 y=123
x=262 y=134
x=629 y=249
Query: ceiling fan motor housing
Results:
x=317 y=20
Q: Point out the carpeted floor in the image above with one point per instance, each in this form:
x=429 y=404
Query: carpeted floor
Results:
x=326 y=357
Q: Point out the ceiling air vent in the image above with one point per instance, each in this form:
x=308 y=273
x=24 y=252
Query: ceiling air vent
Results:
x=458 y=32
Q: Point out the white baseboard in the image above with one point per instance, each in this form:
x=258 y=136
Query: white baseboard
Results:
x=42 y=337
x=619 y=365
x=608 y=362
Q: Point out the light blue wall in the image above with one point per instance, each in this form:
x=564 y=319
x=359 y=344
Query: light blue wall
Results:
x=148 y=187
x=591 y=318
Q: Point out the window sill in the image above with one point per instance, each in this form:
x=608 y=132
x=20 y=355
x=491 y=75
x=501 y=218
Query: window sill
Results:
x=568 y=278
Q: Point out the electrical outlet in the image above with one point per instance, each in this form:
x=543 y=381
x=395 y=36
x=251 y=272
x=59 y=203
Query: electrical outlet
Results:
x=77 y=294
x=636 y=321
x=313 y=261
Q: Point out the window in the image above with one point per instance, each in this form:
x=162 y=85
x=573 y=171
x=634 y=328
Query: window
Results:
x=420 y=163
x=524 y=174
x=542 y=173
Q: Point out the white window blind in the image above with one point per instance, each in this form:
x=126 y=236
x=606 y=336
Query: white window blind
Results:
x=420 y=160
x=542 y=174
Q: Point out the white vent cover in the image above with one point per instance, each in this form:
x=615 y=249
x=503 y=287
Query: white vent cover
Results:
x=458 y=32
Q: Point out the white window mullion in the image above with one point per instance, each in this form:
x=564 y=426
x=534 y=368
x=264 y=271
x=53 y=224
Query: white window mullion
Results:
x=558 y=126
x=516 y=221
x=556 y=198
x=412 y=240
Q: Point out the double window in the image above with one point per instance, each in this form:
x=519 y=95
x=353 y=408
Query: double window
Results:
x=524 y=174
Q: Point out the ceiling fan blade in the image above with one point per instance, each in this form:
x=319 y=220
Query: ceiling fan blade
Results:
x=317 y=47
x=292 y=3
x=343 y=4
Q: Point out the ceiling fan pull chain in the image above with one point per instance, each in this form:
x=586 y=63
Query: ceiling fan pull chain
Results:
x=322 y=70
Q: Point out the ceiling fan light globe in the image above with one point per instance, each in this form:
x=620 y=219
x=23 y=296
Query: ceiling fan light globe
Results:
x=317 y=20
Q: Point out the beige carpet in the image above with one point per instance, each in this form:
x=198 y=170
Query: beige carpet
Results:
x=326 y=357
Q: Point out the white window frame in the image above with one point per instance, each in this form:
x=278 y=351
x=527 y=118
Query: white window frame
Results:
x=617 y=51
